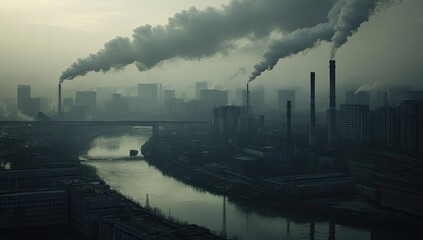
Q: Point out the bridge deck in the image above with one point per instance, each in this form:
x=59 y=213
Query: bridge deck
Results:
x=98 y=123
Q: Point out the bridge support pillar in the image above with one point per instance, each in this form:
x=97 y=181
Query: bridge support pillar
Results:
x=155 y=131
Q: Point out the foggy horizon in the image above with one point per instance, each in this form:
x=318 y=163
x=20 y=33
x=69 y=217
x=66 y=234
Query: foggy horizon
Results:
x=378 y=52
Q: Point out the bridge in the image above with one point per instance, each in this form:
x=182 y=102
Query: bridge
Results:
x=154 y=124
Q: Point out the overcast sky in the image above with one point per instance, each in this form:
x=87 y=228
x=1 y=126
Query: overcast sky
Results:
x=40 y=39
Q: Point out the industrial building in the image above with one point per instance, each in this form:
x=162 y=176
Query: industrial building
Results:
x=33 y=208
x=312 y=185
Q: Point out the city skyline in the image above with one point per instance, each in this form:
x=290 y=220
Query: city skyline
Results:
x=228 y=70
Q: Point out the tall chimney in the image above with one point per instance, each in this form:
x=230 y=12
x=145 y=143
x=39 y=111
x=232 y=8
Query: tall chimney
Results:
x=332 y=108
x=59 y=101
x=247 y=118
x=288 y=122
x=312 y=142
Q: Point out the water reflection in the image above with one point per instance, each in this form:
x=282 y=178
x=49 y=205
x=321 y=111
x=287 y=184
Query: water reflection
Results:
x=229 y=217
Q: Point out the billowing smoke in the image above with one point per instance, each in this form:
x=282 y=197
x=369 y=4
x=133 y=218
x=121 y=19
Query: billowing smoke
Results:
x=196 y=34
x=344 y=19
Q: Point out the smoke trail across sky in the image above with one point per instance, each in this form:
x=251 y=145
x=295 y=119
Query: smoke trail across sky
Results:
x=344 y=19
x=195 y=34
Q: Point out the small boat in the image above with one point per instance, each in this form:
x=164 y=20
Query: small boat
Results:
x=133 y=153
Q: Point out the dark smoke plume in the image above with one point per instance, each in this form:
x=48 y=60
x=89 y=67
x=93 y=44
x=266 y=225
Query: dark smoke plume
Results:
x=344 y=19
x=196 y=34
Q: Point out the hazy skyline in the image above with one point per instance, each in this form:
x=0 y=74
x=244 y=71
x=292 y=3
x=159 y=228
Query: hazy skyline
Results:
x=41 y=39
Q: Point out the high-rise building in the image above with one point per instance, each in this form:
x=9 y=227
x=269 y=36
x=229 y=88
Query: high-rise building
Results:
x=198 y=87
x=148 y=91
x=24 y=99
x=86 y=99
x=225 y=118
x=257 y=101
x=411 y=124
x=215 y=98
x=352 y=122
x=283 y=97
x=168 y=95
x=384 y=127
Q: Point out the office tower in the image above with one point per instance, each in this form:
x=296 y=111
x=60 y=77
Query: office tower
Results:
x=215 y=98
x=198 y=87
x=411 y=127
x=24 y=99
x=353 y=121
x=168 y=95
x=148 y=91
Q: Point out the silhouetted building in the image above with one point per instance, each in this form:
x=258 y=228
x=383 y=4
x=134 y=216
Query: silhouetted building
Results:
x=214 y=97
x=411 y=124
x=89 y=200
x=257 y=101
x=381 y=99
x=33 y=208
x=385 y=132
x=285 y=96
x=351 y=123
x=24 y=99
x=225 y=119
x=168 y=95
x=399 y=185
x=198 y=87
x=148 y=91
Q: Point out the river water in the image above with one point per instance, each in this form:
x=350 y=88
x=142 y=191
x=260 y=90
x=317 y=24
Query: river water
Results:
x=136 y=178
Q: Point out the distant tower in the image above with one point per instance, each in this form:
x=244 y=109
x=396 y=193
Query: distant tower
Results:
x=288 y=123
x=59 y=101
x=332 y=142
x=24 y=99
x=147 y=203
x=312 y=142
x=247 y=118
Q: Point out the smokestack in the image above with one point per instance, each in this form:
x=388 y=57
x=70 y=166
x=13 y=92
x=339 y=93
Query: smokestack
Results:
x=288 y=122
x=332 y=107
x=59 y=101
x=247 y=118
x=312 y=142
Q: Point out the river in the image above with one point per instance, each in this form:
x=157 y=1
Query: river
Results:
x=136 y=178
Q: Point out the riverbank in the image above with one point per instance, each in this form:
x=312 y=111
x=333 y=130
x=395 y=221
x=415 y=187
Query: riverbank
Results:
x=348 y=209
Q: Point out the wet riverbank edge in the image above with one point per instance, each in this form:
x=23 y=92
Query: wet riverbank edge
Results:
x=345 y=209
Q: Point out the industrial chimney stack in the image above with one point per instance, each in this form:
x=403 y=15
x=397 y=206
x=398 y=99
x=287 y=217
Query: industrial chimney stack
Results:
x=59 y=101
x=312 y=142
x=247 y=115
x=288 y=123
x=332 y=144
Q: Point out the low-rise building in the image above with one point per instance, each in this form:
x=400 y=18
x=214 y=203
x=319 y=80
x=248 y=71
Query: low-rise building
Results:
x=33 y=208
